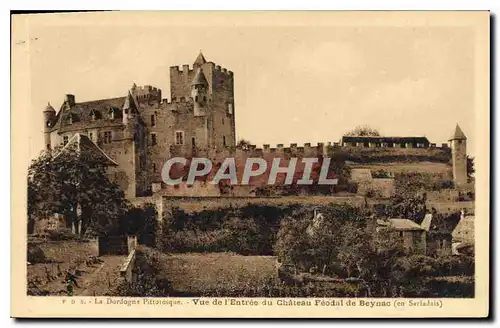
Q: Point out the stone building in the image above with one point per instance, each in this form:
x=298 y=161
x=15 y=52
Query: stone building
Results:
x=411 y=235
x=140 y=130
x=459 y=156
x=386 y=142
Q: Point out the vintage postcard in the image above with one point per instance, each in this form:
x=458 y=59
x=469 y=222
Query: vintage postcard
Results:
x=251 y=164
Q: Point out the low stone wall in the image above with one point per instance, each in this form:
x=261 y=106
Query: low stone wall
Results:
x=126 y=270
x=452 y=207
x=445 y=195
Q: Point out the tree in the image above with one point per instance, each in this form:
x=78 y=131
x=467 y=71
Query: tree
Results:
x=292 y=242
x=141 y=222
x=364 y=131
x=74 y=183
x=243 y=144
x=470 y=167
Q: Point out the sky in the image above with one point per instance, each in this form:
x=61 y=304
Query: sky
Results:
x=293 y=84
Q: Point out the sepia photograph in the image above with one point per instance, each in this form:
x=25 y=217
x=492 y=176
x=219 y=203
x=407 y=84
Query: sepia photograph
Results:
x=250 y=164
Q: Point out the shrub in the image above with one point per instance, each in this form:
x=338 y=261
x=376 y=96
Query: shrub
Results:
x=381 y=174
x=59 y=235
x=148 y=283
x=36 y=254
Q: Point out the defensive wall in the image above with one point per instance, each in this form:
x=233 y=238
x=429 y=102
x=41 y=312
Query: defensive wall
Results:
x=355 y=154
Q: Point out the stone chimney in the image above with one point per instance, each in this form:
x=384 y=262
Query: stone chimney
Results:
x=70 y=100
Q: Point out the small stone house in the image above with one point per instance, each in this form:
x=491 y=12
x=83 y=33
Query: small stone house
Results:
x=411 y=234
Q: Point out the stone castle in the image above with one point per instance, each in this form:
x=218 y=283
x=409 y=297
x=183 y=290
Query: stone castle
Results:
x=141 y=130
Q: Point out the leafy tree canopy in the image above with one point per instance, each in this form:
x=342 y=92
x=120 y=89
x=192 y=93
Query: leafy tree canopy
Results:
x=243 y=144
x=74 y=183
x=470 y=167
x=363 y=131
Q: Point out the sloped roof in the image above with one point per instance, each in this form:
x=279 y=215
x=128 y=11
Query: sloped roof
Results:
x=426 y=223
x=81 y=114
x=444 y=224
x=458 y=134
x=130 y=103
x=200 y=60
x=400 y=224
x=49 y=108
x=378 y=139
x=465 y=224
x=199 y=78
x=83 y=144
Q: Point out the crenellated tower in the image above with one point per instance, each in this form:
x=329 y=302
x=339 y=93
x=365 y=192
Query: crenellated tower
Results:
x=211 y=89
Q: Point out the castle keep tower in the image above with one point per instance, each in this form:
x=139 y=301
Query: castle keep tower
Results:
x=210 y=88
x=459 y=156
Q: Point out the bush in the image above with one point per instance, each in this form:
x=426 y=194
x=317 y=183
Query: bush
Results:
x=59 y=235
x=36 y=254
x=381 y=174
x=148 y=283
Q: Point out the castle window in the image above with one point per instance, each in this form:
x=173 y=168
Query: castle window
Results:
x=153 y=139
x=204 y=98
x=222 y=121
x=91 y=136
x=179 y=137
x=224 y=140
x=107 y=137
x=153 y=123
x=70 y=119
x=193 y=142
x=65 y=140
x=111 y=114
x=154 y=168
x=230 y=108
x=196 y=98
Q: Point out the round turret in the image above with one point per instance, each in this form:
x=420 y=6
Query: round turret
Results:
x=49 y=114
x=199 y=86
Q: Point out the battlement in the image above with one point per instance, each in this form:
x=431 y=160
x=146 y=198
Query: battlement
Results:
x=186 y=69
x=146 y=93
x=218 y=68
x=176 y=100
x=362 y=154
x=146 y=88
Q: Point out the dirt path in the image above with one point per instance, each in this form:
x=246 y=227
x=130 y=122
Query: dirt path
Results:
x=102 y=278
x=93 y=280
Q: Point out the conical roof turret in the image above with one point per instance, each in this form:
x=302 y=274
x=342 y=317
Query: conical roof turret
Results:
x=49 y=108
x=200 y=60
x=459 y=134
x=199 y=78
